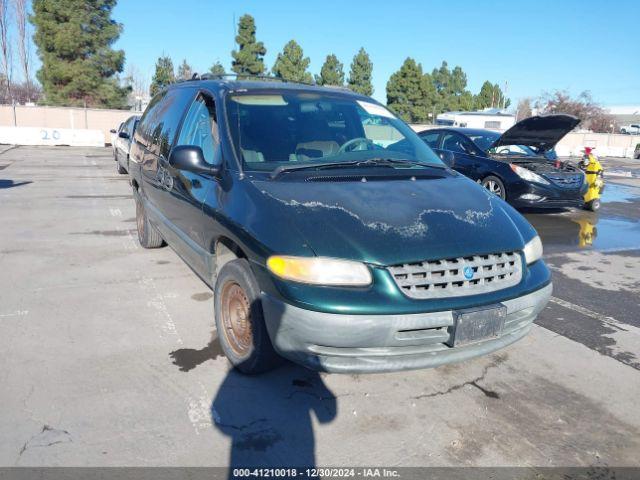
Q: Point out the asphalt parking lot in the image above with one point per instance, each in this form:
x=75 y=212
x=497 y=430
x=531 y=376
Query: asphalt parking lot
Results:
x=108 y=354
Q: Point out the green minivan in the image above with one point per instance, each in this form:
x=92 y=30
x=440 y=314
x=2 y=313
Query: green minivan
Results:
x=329 y=232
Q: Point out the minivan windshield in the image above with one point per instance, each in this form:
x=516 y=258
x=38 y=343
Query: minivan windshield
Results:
x=281 y=128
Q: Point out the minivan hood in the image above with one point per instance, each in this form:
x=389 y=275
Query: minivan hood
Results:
x=400 y=221
x=542 y=132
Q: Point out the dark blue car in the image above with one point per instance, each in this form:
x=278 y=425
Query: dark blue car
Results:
x=518 y=165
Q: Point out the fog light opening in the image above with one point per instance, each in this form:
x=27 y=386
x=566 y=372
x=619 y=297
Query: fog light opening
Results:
x=532 y=197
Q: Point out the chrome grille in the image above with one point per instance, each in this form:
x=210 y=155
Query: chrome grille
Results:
x=446 y=278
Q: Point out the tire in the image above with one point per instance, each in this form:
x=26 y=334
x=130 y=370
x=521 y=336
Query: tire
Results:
x=240 y=324
x=495 y=186
x=593 y=205
x=121 y=169
x=148 y=235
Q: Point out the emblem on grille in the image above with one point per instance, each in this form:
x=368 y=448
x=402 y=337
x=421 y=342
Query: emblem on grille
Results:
x=467 y=272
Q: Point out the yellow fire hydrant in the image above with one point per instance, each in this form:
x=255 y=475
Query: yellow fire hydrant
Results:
x=594 y=176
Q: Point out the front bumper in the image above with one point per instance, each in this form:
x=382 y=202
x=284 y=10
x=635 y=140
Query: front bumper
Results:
x=529 y=195
x=379 y=343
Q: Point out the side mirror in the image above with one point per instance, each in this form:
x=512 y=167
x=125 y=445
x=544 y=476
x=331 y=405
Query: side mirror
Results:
x=448 y=158
x=123 y=135
x=191 y=159
x=113 y=130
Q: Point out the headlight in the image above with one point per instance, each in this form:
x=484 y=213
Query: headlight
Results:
x=528 y=175
x=320 y=271
x=533 y=250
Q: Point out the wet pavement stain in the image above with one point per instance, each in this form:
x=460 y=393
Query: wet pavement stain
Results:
x=202 y=297
x=98 y=196
x=107 y=233
x=620 y=193
x=584 y=230
x=189 y=358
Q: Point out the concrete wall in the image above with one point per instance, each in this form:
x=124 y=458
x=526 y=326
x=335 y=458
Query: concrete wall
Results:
x=78 y=137
x=64 y=118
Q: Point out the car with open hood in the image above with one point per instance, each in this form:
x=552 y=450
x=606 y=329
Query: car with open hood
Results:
x=518 y=165
x=329 y=232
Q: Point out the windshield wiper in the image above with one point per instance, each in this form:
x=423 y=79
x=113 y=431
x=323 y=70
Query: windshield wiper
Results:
x=370 y=162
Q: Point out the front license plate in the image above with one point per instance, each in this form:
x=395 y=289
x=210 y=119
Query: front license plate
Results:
x=477 y=324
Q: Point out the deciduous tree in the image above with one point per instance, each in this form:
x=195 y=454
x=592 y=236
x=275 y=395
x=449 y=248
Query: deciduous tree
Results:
x=524 y=109
x=23 y=39
x=185 y=72
x=74 y=39
x=592 y=115
x=360 y=74
x=249 y=58
x=5 y=48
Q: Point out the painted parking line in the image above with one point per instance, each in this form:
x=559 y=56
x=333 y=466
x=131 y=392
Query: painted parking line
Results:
x=17 y=313
x=595 y=315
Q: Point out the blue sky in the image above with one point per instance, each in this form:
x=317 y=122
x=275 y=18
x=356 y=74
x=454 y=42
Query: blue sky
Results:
x=534 y=45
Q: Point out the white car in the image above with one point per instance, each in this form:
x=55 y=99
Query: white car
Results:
x=633 y=129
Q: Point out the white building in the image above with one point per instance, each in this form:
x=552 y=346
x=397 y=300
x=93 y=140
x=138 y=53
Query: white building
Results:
x=490 y=118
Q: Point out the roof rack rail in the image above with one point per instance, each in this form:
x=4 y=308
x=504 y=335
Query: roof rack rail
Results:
x=243 y=76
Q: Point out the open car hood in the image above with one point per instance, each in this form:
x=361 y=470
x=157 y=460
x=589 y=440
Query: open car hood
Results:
x=542 y=132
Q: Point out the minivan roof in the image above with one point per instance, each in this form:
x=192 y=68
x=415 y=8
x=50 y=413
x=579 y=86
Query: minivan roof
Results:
x=219 y=84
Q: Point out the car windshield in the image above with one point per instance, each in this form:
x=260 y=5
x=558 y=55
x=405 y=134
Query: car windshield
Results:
x=484 y=140
x=282 y=129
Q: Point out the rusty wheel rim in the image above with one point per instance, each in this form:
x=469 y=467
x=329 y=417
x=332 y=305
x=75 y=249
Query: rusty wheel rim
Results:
x=236 y=318
x=139 y=220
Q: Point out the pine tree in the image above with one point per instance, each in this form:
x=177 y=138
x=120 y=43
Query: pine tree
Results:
x=360 y=74
x=248 y=59
x=185 y=72
x=291 y=64
x=331 y=73
x=491 y=96
x=163 y=75
x=217 y=69
x=410 y=93
x=74 y=39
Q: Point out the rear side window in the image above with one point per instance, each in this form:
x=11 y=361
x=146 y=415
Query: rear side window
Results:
x=145 y=126
x=431 y=138
x=160 y=122
x=453 y=143
x=170 y=112
x=200 y=128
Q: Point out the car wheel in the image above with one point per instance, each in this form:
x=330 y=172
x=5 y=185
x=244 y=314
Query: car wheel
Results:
x=495 y=186
x=148 y=235
x=593 y=205
x=240 y=320
x=120 y=168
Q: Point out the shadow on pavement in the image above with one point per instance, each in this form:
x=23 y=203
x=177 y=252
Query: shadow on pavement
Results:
x=189 y=358
x=269 y=417
x=10 y=184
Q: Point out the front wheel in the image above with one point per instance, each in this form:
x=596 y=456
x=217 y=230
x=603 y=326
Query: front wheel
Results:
x=240 y=323
x=495 y=186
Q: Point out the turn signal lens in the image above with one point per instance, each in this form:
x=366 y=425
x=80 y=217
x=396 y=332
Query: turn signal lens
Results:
x=533 y=250
x=320 y=270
